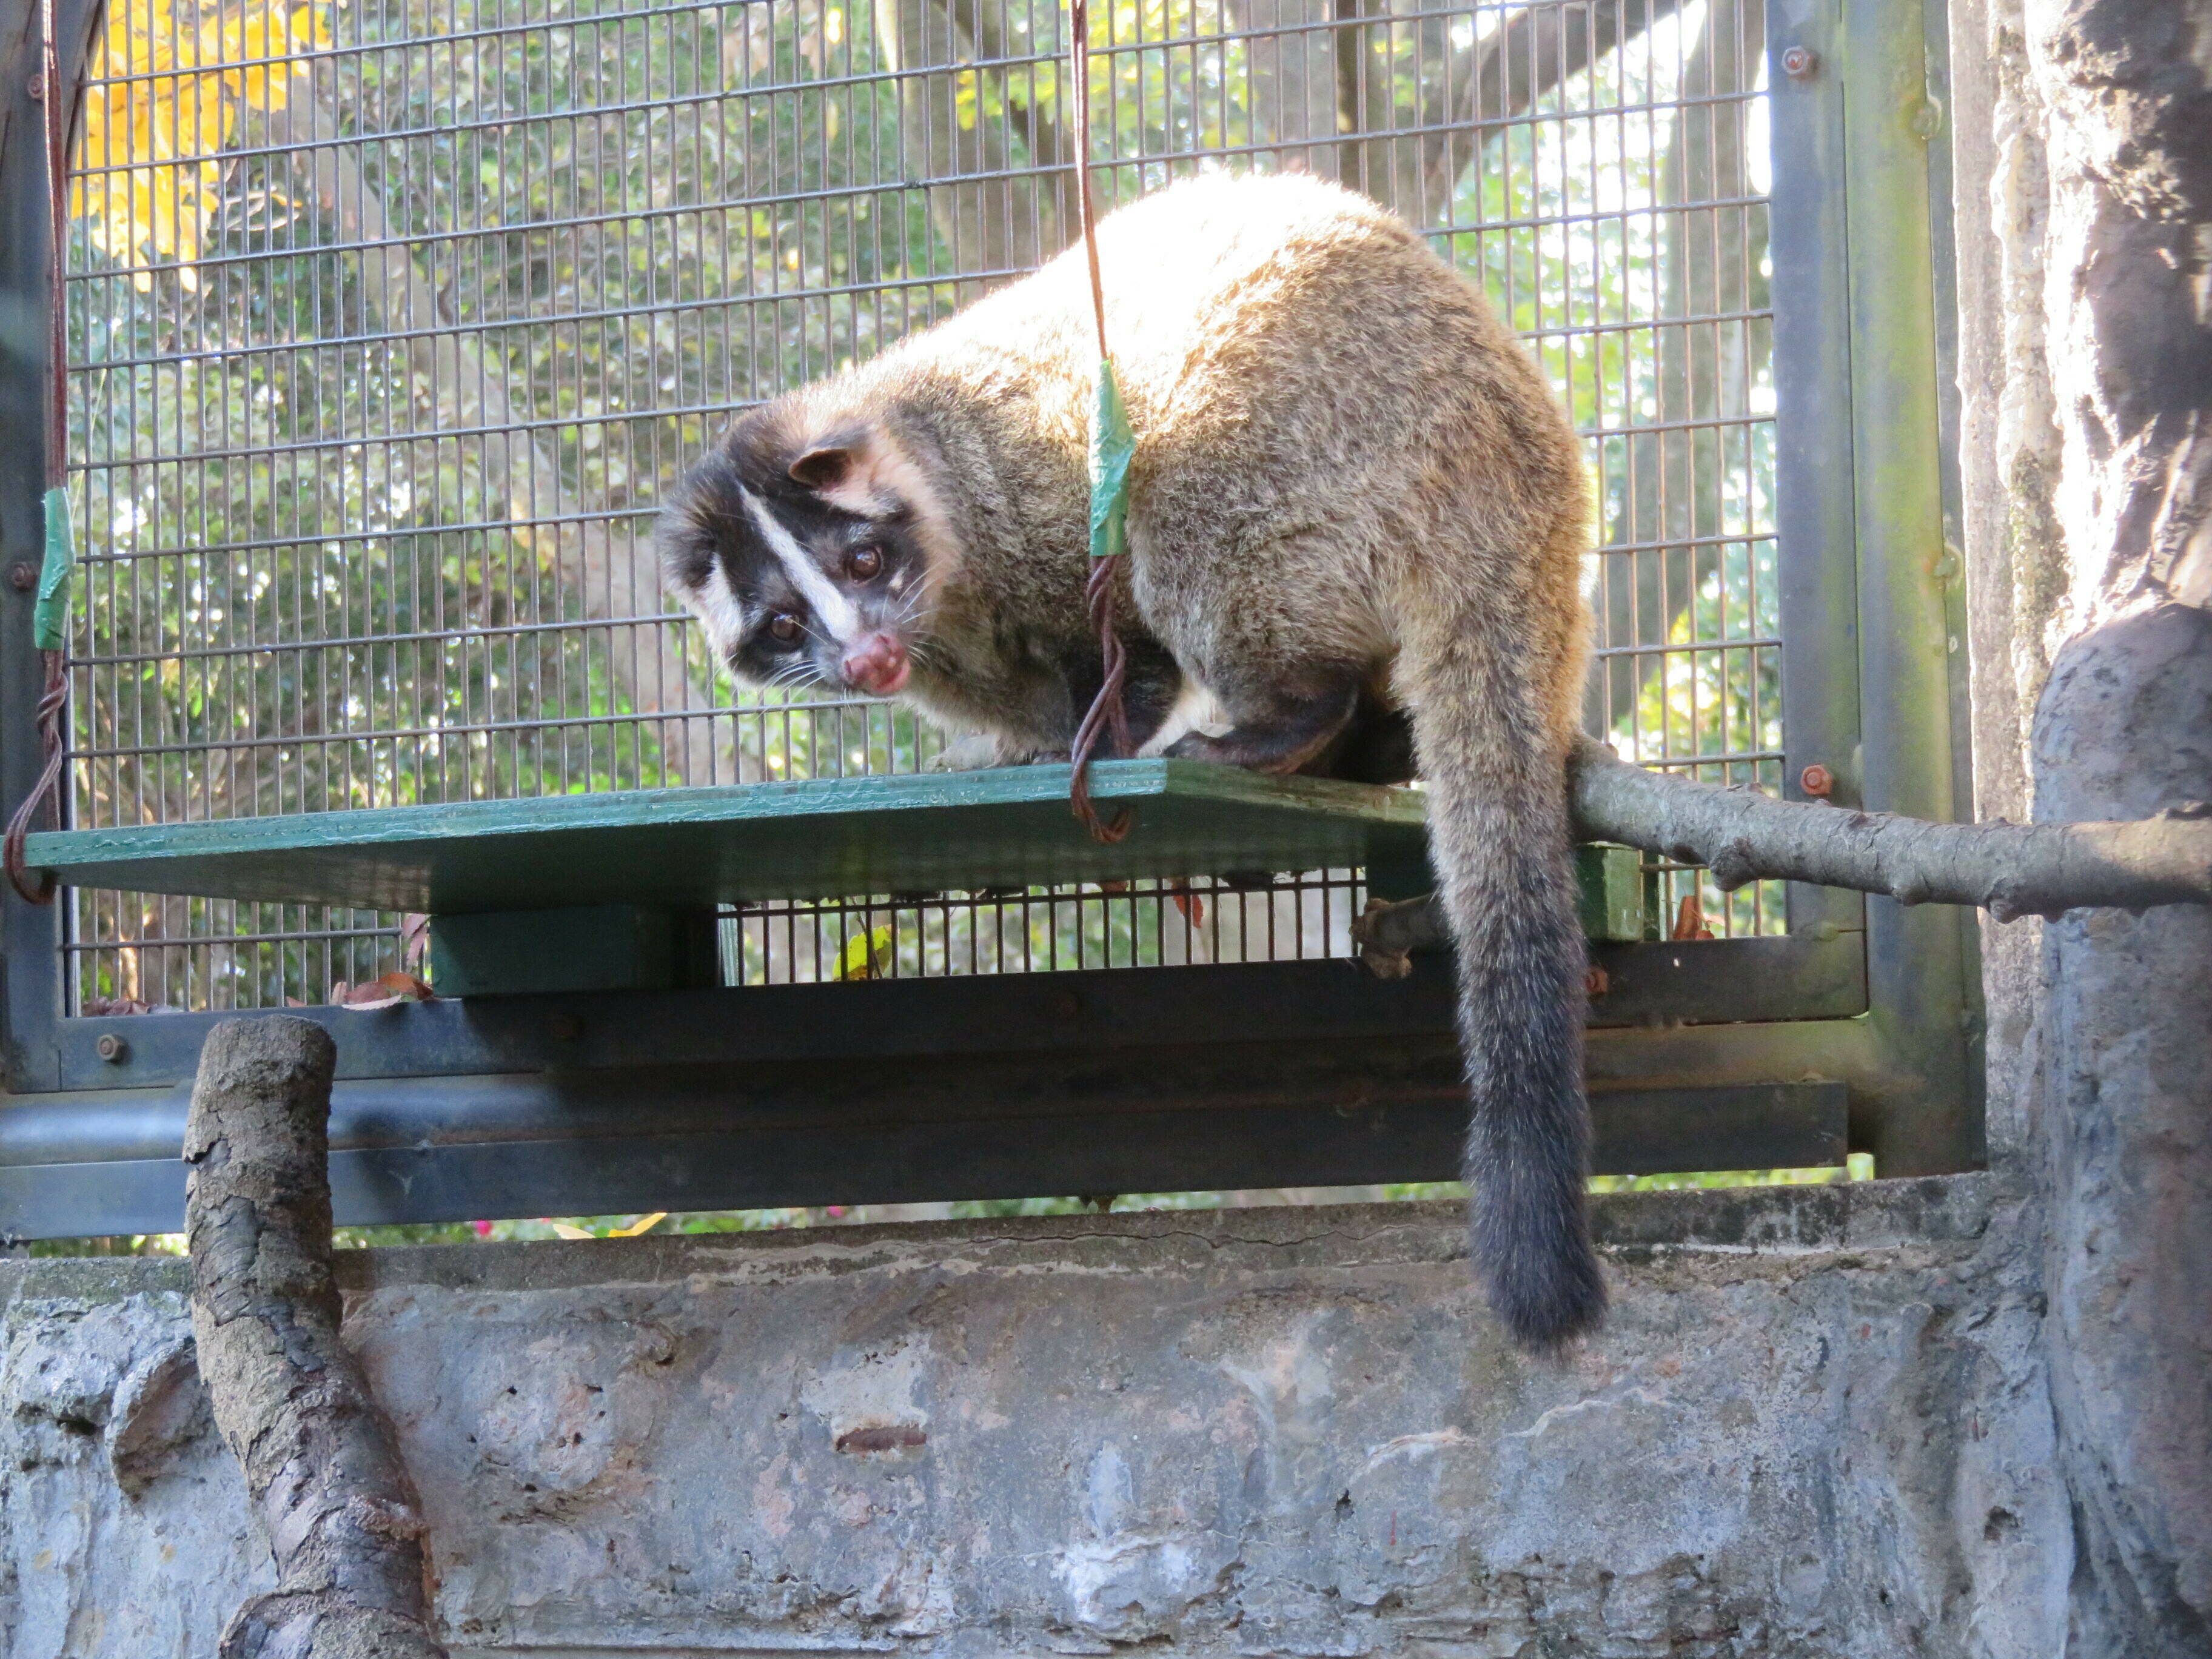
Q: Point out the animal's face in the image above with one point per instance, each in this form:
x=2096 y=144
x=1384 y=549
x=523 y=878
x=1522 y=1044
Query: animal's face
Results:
x=806 y=563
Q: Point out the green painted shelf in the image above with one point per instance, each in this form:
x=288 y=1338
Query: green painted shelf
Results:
x=833 y=837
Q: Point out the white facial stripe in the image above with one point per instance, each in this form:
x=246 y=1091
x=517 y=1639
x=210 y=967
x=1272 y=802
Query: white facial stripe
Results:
x=831 y=608
x=719 y=610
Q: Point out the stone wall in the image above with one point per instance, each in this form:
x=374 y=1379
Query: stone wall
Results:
x=1815 y=1425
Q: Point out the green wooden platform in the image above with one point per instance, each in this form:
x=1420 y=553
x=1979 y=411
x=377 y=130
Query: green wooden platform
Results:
x=841 y=837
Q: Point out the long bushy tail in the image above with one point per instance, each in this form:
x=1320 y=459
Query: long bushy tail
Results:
x=1484 y=729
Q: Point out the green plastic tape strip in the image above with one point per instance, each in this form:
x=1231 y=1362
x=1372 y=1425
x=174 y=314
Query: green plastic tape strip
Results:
x=50 y=620
x=1112 y=445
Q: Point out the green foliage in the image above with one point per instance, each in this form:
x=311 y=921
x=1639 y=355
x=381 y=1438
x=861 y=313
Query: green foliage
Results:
x=1860 y=1167
x=319 y=575
x=113 y=1245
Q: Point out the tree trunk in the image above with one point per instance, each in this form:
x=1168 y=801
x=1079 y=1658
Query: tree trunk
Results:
x=1000 y=220
x=1531 y=51
x=660 y=665
x=289 y=1397
x=2084 y=161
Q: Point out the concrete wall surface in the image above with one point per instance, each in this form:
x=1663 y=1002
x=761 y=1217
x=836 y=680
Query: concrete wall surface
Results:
x=1815 y=1425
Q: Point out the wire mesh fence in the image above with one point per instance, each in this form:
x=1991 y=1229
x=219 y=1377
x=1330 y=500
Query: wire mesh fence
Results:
x=1135 y=924
x=389 y=320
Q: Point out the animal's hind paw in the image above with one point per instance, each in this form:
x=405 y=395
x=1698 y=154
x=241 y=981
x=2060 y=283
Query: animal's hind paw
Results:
x=1382 y=961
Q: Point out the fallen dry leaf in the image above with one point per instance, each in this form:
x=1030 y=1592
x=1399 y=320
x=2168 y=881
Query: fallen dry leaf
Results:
x=413 y=940
x=387 y=991
x=1192 y=906
x=644 y=1224
x=112 y=1005
x=1690 y=920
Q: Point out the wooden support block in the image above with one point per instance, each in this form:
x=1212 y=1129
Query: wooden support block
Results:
x=594 y=947
x=1612 y=882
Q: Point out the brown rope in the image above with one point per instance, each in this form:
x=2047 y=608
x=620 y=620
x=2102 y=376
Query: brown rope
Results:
x=1079 y=24
x=53 y=699
x=57 y=116
x=1108 y=715
x=52 y=702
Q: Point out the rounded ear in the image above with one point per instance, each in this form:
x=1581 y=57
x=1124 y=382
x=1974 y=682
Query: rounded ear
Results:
x=823 y=469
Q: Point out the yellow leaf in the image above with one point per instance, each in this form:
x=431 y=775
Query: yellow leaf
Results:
x=564 y=1230
x=155 y=136
x=865 y=954
x=643 y=1225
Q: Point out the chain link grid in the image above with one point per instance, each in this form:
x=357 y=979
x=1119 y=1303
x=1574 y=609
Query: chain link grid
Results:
x=389 y=319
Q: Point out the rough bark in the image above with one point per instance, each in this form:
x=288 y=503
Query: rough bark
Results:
x=996 y=219
x=1532 y=51
x=2084 y=161
x=2127 y=1115
x=1323 y=101
x=289 y=1397
x=2011 y=870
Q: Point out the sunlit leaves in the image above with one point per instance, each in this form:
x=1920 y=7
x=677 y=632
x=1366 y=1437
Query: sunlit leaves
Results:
x=173 y=78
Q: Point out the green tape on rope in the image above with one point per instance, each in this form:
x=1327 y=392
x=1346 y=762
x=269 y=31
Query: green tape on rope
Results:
x=1112 y=445
x=50 y=620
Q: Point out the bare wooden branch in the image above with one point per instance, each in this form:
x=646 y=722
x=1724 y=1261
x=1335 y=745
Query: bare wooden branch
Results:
x=291 y=1400
x=610 y=567
x=2011 y=870
x=1533 y=51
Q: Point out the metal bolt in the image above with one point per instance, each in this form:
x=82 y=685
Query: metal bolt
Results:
x=1817 y=779
x=112 y=1048
x=1799 y=62
x=22 y=575
x=37 y=88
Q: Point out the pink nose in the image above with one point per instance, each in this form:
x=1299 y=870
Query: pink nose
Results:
x=878 y=665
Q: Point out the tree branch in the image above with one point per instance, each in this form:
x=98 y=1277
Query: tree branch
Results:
x=985 y=26
x=1500 y=79
x=611 y=568
x=988 y=218
x=2011 y=870
x=290 y=1398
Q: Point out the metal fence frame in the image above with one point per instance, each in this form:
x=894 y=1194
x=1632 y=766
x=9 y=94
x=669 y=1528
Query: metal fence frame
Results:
x=1285 y=1073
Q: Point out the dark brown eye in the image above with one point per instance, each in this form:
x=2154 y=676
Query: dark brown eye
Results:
x=865 y=563
x=784 y=626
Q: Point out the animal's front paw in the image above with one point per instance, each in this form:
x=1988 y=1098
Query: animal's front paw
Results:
x=1193 y=745
x=980 y=752
x=972 y=751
